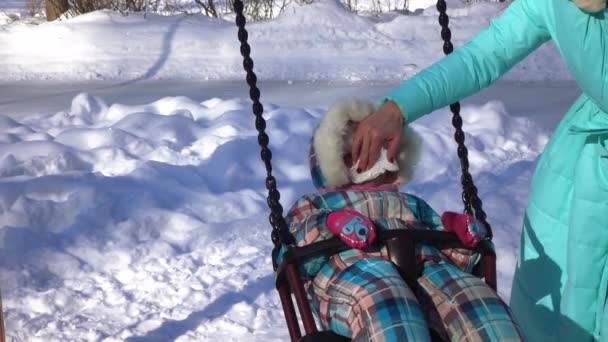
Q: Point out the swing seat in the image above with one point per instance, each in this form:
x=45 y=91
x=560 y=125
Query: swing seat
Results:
x=400 y=245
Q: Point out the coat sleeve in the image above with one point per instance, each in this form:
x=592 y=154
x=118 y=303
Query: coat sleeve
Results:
x=308 y=223
x=486 y=57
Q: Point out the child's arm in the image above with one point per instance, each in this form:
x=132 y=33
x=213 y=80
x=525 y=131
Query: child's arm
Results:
x=309 y=224
x=467 y=228
x=427 y=216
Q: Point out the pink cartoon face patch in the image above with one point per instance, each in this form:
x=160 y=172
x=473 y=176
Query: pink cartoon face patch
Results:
x=352 y=227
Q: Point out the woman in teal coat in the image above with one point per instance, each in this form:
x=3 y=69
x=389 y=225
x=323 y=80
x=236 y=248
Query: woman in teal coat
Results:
x=561 y=281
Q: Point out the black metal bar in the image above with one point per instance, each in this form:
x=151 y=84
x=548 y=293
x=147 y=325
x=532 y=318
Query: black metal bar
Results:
x=439 y=239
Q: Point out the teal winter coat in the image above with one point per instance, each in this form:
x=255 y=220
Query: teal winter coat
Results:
x=561 y=280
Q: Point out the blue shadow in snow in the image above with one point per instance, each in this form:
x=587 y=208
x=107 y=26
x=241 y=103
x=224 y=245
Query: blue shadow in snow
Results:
x=170 y=330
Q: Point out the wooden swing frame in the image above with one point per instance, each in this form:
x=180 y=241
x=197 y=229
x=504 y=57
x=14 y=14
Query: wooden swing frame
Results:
x=400 y=245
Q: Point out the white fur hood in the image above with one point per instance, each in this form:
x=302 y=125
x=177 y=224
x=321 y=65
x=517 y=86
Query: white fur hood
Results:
x=331 y=141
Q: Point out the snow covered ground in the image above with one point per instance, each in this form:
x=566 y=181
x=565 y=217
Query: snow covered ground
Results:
x=139 y=214
x=321 y=41
x=11 y=11
x=148 y=222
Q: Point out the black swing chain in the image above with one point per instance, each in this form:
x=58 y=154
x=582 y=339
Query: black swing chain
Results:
x=470 y=198
x=280 y=234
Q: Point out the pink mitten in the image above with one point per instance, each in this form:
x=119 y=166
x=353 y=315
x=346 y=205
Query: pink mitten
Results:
x=352 y=227
x=467 y=228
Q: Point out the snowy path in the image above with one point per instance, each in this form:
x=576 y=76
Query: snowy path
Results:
x=542 y=102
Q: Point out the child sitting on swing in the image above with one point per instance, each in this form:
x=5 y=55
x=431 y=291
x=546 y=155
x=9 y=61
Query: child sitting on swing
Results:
x=358 y=293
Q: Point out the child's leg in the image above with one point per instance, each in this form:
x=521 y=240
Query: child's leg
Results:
x=368 y=301
x=463 y=307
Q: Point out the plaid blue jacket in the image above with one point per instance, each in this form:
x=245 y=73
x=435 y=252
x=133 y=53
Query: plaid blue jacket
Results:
x=307 y=222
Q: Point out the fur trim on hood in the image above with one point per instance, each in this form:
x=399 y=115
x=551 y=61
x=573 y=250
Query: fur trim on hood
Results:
x=591 y=6
x=332 y=139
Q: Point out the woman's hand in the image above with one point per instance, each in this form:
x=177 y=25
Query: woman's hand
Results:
x=384 y=125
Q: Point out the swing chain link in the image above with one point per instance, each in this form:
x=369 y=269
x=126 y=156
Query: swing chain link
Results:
x=470 y=198
x=280 y=234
